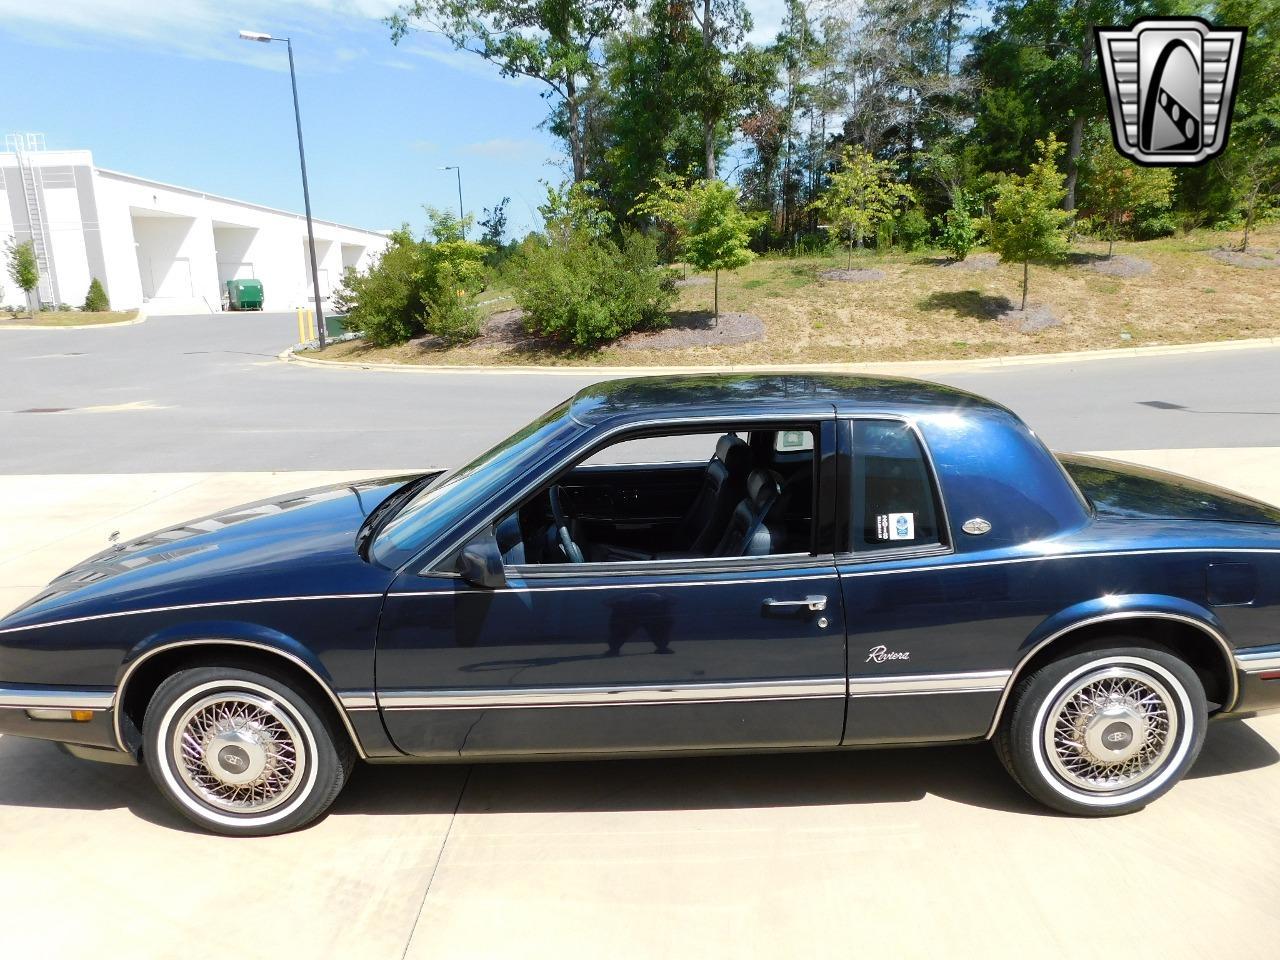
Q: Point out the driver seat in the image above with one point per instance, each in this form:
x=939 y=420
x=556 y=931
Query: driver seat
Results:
x=724 y=483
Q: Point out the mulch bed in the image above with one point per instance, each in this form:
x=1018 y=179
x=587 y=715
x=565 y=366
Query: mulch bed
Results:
x=1120 y=266
x=1037 y=316
x=694 y=282
x=977 y=263
x=852 y=276
x=1256 y=260
x=697 y=329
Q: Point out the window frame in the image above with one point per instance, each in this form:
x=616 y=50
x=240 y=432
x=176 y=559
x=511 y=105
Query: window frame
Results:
x=848 y=553
x=441 y=563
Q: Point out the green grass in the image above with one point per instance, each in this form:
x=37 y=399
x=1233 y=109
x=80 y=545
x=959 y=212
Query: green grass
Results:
x=68 y=318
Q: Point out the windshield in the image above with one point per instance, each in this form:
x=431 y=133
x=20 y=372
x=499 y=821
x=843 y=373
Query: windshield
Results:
x=430 y=514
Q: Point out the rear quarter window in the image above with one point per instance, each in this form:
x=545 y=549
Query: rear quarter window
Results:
x=895 y=504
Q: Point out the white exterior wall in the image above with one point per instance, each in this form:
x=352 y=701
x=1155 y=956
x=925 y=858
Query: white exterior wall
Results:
x=172 y=248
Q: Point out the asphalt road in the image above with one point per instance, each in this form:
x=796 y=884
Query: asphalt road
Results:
x=208 y=394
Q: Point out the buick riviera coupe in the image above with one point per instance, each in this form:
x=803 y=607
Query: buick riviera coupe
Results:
x=676 y=566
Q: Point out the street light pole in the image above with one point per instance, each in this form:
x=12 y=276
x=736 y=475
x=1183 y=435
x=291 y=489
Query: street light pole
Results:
x=306 y=189
x=458 y=171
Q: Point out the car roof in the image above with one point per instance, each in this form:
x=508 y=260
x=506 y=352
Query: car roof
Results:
x=673 y=397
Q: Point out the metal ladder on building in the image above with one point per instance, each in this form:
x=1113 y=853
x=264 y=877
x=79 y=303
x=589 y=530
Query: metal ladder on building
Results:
x=22 y=145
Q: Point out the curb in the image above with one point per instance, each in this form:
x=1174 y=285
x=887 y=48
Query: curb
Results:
x=289 y=355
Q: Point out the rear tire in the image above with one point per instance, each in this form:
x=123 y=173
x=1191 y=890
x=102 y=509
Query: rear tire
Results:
x=1104 y=732
x=241 y=753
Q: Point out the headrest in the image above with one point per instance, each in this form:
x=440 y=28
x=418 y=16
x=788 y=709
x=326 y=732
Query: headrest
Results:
x=734 y=453
x=763 y=487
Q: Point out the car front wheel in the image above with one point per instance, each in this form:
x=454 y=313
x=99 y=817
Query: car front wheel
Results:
x=1104 y=732
x=242 y=753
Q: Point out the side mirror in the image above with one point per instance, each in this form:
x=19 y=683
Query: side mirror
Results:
x=480 y=562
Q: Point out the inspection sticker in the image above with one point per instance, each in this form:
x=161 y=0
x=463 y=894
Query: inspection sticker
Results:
x=896 y=526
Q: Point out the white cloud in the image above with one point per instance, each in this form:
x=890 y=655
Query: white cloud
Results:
x=203 y=29
x=504 y=147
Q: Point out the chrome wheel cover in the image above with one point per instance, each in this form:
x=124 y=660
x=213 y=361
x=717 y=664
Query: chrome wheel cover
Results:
x=1110 y=729
x=238 y=752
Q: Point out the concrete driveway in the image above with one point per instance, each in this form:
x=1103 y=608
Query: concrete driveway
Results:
x=900 y=853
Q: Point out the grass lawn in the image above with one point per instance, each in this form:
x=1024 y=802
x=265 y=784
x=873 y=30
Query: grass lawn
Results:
x=924 y=310
x=68 y=318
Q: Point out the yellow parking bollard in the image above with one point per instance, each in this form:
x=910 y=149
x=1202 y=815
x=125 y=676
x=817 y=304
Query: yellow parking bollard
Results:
x=302 y=333
x=311 y=325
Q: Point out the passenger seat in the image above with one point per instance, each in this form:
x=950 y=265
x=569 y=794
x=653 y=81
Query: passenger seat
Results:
x=750 y=533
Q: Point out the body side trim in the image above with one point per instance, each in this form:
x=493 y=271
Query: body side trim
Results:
x=1233 y=689
x=1263 y=660
x=621 y=695
x=983 y=681
x=218 y=642
x=54 y=698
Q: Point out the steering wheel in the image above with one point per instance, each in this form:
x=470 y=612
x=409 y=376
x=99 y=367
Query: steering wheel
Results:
x=572 y=552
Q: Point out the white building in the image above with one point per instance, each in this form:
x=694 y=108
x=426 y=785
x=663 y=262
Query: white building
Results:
x=167 y=247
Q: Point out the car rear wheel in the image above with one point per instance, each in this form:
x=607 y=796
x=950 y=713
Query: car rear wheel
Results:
x=242 y=753
x=1104 y=732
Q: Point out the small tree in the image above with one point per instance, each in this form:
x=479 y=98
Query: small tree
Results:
x=713 y=231
x=23 y=269
x=863 y=195
x=1027 y=221
x=957 y=228
x=1115 y=189
x=95 y=301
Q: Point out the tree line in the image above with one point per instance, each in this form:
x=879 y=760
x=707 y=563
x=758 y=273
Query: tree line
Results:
x=951 y=95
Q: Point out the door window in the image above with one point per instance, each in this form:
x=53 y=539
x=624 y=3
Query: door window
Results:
x=895 y=505
x=682 y=496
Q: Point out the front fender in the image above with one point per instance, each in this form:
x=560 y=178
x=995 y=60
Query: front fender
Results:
x=228 y=632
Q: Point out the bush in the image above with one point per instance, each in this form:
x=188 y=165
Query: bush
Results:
x=95 y=301
x=912 y=229
x=957 y=228
x=417 y=287
x=583 y=289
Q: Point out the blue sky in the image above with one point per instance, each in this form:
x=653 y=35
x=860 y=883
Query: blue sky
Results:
x=165 y=89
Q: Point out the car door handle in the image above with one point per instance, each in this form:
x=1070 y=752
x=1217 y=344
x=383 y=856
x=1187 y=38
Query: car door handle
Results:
x=813 y=602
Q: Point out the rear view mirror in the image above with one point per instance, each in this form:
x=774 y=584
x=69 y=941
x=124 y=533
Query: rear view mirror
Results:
x=480 y=562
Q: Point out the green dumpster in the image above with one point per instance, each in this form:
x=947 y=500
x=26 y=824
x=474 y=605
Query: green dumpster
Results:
x=334 y=326
x=244 y=294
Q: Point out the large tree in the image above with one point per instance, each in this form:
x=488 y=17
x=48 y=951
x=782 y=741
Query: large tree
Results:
x=556 y=42
x=1037 y=69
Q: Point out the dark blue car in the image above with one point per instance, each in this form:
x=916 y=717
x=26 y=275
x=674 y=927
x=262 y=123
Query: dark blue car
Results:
x=674 y=565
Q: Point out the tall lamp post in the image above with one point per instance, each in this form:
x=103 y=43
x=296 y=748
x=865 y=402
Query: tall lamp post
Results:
x=302 y=159
x=458 y=171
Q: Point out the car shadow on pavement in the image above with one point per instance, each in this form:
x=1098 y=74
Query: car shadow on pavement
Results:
x=35 y=774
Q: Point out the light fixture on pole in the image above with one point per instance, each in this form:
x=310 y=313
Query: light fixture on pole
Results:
x=306 y=190
x=458 y=171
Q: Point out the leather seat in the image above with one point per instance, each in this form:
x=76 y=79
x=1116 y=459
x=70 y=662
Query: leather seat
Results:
x=724 y=484
x=750 y=533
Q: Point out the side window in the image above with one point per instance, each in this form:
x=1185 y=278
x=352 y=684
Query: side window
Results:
x=894 y=502
x=674 y=496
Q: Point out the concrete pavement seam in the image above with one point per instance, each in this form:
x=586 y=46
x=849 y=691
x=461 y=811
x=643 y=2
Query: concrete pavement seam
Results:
x=906 y=367
x=439 y=857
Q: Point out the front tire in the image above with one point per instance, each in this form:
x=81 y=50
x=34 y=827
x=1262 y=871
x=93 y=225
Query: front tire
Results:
x=1105 y=732
x=243 y=754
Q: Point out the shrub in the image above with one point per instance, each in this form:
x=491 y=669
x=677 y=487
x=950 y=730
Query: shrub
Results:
x=417 y=287
x=957 y=228
x=584 y=290
x=95 y=301
x=912 y=228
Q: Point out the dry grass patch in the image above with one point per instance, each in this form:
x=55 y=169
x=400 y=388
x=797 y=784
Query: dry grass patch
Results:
x=69 y=318
x=922 y=311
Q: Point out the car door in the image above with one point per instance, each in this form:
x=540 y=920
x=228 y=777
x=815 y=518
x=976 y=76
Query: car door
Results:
x=597 y=658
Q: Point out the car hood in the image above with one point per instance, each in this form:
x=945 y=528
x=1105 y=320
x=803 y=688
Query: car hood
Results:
x=1128 y=491
x=299 y=542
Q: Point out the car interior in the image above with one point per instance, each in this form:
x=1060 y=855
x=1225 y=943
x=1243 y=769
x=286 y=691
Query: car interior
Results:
x=672 y=497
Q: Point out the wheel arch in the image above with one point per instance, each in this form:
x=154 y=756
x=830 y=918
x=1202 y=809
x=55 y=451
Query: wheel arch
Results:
x=1198 y=639
x=144 y=673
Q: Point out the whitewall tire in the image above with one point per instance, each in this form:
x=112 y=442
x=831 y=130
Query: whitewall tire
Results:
x=1104 y=732
x=243 y=753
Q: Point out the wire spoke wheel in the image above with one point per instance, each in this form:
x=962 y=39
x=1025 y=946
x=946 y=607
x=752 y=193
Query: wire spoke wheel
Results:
x=238 y=752
x=1111 y=729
